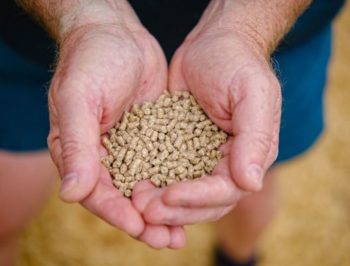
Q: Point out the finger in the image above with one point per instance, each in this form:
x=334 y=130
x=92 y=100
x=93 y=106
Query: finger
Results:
x=177 y=237
x=209 y=191
x=142 y=186
x=157 y=212
x=156 y=236
x=255 y=121
x=109 y=204
x=54 y=146
x=215 y=190
x=143 y=193
x=77 y=121
x=273 y=153
x=161 y=236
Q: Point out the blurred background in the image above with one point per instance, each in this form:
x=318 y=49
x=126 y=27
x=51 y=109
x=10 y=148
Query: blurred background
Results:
x=311 y=228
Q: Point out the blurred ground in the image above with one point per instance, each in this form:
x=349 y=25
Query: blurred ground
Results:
x=311 y=229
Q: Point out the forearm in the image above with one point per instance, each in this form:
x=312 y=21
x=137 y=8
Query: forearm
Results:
x=63 y=16
x=263 y=21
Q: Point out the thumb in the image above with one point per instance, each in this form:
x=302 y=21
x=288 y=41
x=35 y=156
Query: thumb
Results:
x=176 y=79
x=78 y=136
x=256 y=120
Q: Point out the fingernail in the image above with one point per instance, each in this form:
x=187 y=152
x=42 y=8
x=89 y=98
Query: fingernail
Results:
x=69 y=183
x=255 y=174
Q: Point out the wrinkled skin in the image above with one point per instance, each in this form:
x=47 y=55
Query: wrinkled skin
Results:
x=102 y=71
x=232 y=80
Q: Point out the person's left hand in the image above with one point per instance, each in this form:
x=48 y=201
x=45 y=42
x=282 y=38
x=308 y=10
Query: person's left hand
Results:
x=231 y=78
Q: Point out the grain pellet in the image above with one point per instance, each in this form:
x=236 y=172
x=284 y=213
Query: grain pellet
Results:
x=168 y=141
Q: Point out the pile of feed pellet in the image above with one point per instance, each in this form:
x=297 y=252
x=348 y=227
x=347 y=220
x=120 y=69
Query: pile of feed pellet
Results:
x=168 y=141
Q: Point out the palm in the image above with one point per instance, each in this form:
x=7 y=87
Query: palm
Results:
x=234 y=84
x=98 y=77
x=226 y=76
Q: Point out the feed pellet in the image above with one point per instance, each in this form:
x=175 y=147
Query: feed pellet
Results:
x=168 y=141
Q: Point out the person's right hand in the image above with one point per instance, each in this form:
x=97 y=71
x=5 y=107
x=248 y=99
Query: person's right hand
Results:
x=102 y=70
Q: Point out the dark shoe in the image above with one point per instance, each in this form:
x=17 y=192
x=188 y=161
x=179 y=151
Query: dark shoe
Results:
x=221 y=259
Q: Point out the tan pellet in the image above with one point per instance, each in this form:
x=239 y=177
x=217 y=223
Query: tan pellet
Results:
x=168 y=141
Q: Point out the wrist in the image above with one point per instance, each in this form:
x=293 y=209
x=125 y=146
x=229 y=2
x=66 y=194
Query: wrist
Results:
x=261 y=23
x=96 y=13
x=60 y=18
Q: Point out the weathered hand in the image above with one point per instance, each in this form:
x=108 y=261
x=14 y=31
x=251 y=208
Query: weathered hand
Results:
x=102 y=70
x=232 y=80
x=235 y=85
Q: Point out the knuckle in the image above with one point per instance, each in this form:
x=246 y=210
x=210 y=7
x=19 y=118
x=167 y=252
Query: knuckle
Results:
x=273 y=153
x=262 y=141
x=54 y=148
x=71 y=148
x=227 y=189
x=274 y=149
x=154 y=214
x=138 y=201
x=52 y=138
x=171 y=220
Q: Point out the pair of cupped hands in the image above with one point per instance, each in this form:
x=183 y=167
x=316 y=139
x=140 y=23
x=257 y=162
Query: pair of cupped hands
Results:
x=103 y=69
